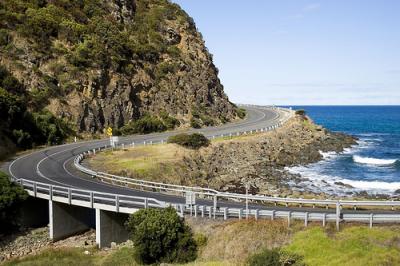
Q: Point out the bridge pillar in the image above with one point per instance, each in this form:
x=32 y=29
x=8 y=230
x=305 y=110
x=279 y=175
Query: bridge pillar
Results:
x=110 y=227
x=34 y=212
x=66 y=220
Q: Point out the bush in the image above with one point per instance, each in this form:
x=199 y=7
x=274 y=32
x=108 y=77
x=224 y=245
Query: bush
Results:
x=195 y=123
x=160 y=235
x=274 y=257
x=241 y=113
x=192 y=141
x=169 y=121
x=300 y=112
x=208 y=121
x=144 y=125
x=5 y=37
x=11 y=196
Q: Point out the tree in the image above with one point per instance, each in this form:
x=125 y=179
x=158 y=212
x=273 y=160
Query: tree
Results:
x=160 y=235
x=11 y=196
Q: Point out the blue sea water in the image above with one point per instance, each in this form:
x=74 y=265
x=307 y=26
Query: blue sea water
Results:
x=374 y=164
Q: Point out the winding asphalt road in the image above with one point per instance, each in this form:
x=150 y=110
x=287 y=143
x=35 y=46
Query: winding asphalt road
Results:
x=54 y=165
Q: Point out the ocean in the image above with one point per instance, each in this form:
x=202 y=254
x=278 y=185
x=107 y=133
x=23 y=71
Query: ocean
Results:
x=372 y=166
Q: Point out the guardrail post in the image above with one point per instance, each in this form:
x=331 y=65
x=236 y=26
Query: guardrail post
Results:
x=210 y=212
x=289 y=218
x=225 y=213
x=273 y=215
x=51 y=192
x=69 y=196
x=146 y=203
x=324 y=220
x=34 y=189
x=91 y=200
x=337 y=215
x=202 y=211
x=117 y=203
x=215 y=205
x=256 y=214
x=195 y=211
x=371 y=220
x=306 y=219
x=181 y=206
x=240 y=214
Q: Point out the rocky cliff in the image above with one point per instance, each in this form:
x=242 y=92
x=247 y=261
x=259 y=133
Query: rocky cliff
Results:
x=101 y=63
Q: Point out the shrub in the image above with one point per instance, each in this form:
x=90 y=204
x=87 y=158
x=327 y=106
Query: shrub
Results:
x=300 y=112
x=169 y=121
x=192 y=141
x=5 y=38
x=241 y=113
x=274 y=257
x=160 y=235
x=208 y=121
x=200 y=239
x=195 y=123
x=11 y=196
x=144 y=125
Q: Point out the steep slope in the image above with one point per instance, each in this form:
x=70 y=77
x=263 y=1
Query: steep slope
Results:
x=100 y=63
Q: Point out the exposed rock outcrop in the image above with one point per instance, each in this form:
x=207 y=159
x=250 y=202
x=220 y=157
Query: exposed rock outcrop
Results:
x=105 y=63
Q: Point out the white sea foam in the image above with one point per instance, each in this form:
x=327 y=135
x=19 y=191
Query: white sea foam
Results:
x=373 y=161
x=373 y=185
x=328 y=155
x=329 y=184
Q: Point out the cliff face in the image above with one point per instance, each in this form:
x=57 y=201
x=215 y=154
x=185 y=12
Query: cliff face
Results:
x=105 y=63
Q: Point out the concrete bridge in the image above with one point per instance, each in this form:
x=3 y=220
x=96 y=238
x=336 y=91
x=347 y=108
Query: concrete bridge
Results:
x=65 y=192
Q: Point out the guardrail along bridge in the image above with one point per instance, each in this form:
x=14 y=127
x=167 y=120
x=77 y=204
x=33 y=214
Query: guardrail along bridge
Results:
x=77 y=198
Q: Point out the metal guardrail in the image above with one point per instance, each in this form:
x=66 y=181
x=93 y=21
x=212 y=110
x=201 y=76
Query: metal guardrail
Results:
x=127 y=204
x=213 y=211
x=88 y=198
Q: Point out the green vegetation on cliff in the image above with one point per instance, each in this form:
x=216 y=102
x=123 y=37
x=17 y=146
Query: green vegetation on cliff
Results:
x=11 y=196
x=23 y=126
x=110 y=63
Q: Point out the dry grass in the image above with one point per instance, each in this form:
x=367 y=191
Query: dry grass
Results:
x=155 y=160
x=233 y=241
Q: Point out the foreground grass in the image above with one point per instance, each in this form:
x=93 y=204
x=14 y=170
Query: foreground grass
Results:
x=231 y=243
x=355 y=245
x=75 y=256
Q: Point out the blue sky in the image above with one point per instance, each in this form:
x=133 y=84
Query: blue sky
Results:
x=301 y=52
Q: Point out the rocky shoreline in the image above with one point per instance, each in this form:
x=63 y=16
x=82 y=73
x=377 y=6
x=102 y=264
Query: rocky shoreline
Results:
x=260 y=160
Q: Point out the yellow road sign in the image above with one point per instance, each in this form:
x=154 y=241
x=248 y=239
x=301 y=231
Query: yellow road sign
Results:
x=109 y=131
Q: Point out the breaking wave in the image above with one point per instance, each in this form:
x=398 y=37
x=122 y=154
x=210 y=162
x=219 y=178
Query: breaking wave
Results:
x=373 y=161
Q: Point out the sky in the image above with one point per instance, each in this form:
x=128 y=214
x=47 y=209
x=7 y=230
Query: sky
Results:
x=301 y=52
